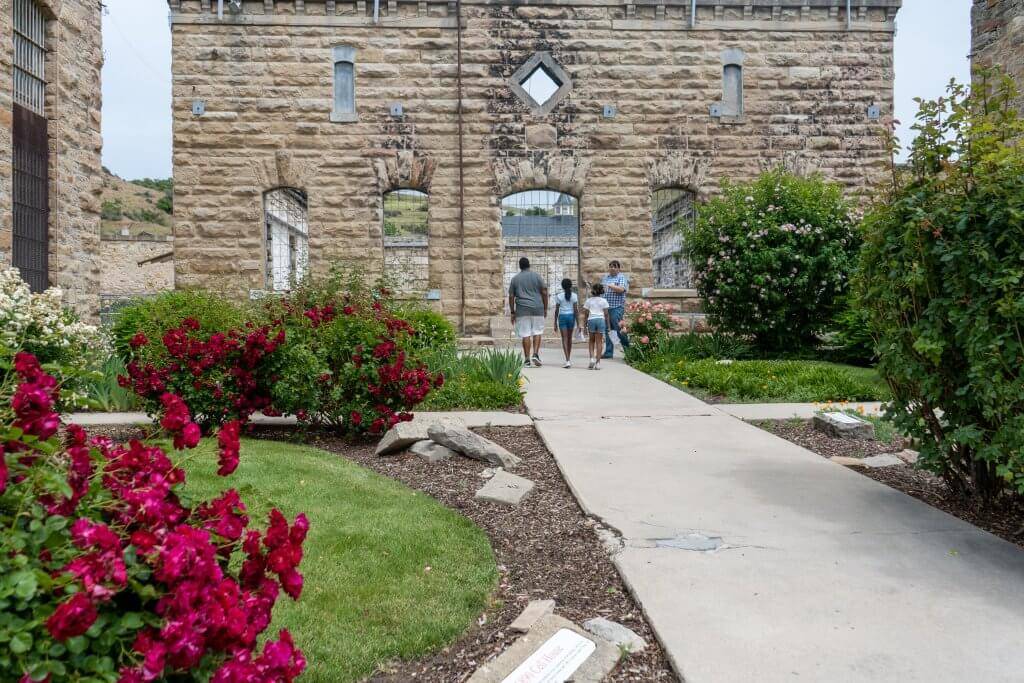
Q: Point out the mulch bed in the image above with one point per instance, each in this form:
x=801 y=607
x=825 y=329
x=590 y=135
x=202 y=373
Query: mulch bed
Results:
x=1005 y=519
x=545 y=549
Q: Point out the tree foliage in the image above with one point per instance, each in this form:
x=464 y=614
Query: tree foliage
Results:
x=943 y=284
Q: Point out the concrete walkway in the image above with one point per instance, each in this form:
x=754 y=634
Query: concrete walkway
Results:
x=756 y=560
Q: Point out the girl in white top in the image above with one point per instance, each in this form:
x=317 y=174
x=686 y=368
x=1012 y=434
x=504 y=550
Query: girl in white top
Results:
x=567 y=306
x=597 y=324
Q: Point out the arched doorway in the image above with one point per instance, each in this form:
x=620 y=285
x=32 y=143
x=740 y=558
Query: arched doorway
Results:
x=544 y=226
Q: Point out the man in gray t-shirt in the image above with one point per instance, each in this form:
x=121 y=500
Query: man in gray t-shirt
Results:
x=528 y=301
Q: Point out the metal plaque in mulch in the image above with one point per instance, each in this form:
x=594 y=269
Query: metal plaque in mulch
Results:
x=545 y=548
x=1004 y=519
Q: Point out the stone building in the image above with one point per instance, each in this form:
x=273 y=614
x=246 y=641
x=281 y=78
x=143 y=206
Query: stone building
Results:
x=472 y=103
x=50 y=145
x=997 y=38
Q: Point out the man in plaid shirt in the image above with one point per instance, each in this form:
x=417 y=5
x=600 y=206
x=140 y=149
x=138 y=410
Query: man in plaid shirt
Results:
x=616 y=284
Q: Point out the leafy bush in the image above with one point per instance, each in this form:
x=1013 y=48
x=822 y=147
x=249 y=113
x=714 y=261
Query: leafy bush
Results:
x=649 y=326
x=489 y=379
x=773 y=258
x=105 y=392
x=777 y=380
x=433 y=330
x=942 y=284
x=350 y=360
x=111 y=211
x=106 y=574
x=851 y=329
x=156 y=316
x=165 y=204
x=40 y=325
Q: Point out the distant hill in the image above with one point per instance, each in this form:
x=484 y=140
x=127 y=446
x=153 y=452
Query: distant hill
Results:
x=142 y=207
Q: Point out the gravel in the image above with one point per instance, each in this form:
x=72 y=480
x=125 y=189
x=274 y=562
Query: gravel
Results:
x=1004 y=519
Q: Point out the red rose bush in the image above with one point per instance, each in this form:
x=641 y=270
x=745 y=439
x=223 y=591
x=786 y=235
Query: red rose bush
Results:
x=106 y=573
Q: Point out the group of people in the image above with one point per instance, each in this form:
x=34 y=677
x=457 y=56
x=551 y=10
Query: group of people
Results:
x=600 y=314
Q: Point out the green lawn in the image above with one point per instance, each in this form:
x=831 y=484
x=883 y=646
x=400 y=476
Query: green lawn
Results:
x=774 y=381
x=368 y=594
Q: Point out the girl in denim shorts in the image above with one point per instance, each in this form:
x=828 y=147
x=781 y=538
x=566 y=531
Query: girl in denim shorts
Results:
x=597 y=324
x=567 y=305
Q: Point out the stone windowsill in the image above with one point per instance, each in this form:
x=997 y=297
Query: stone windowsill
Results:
x=664 y=293
x=344 y=117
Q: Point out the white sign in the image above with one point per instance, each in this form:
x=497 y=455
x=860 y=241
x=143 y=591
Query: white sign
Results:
x=555 y=660
x=845 y=419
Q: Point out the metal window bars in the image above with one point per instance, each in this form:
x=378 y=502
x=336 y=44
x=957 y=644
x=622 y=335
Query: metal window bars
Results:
x=671 y=209
x=30 y=56
x=285 y=213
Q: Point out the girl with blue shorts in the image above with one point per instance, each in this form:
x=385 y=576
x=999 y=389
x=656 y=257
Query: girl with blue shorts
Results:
x=597 y=324
x=567 y=306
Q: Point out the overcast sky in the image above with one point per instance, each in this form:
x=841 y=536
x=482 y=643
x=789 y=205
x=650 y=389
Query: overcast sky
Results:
x=932 y=44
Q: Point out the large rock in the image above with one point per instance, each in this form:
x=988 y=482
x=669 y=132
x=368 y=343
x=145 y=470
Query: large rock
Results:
x=594 y=668
x=505 y=488
x=405 y=434
x=615 y=632
x=431 y=451
x=843 y=426
x=473 y=445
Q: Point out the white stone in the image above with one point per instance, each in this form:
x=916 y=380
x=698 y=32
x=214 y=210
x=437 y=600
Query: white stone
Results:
x=616 y=633
x=405 y=434
x=532 y=614
x=886 y=460
x=505 y=488
x=431 y=451
x=843 y=426
x=472 y=445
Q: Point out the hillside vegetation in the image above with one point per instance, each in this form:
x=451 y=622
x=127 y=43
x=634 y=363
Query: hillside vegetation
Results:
x=143 y=207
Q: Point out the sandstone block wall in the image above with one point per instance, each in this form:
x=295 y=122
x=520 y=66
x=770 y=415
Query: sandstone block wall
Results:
x=133 y=267
x=265 y=78
x=997 y=32
x=73 y=102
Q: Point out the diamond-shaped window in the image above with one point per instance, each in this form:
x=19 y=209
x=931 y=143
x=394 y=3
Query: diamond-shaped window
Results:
x=540 y=83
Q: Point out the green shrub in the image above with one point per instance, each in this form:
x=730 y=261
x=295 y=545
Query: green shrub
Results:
x=489 y=379
x=111 y=211
x=105 y=392
x=851 y=329
x=154 y=316
x=433 y=330
x=778 y=380
x=943 y=283
x=773 y=258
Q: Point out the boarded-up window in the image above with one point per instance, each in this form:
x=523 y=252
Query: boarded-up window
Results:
x=732 y=87
x=287 y=223
x=406 y=254
x=344 y=84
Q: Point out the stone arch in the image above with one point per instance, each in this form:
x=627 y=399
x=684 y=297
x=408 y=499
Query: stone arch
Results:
x=284 y=170
x=404 y=170
x=567 y=174
x=679 y=170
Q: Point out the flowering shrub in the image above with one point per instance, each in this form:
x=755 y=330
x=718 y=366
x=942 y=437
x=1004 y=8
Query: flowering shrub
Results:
x=106 y=574
x=648 y=326
x=218 y=375
x=39 y=324
x=350 y=361
x=941 y=284
x=773 y=257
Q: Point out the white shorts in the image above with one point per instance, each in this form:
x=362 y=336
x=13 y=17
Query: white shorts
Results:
x=529 y=326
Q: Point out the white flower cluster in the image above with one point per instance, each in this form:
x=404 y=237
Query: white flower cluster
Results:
x=41 y=324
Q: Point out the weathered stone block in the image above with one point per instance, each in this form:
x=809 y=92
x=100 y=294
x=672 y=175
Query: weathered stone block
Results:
x=505 y=488
x=472 y=445
x=843 y=426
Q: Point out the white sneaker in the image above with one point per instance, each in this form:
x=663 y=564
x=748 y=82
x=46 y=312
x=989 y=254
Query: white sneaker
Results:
x=593 y=362
x=567 y=364
x=597 y=365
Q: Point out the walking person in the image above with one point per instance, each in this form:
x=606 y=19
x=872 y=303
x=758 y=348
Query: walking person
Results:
x=528 y=301
x=597 y=324
x=567 y=311
x=616 y=286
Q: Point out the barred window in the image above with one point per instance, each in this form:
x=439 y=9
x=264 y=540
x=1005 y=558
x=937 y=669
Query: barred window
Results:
x=29 y=56
x=287 y=222
x=406 y=252
x=672 y=210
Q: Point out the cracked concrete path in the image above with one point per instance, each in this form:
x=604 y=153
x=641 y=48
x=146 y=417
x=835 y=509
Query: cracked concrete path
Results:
x=758 y=560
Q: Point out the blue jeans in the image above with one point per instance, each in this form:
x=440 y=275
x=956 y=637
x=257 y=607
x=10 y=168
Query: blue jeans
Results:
x=615 y=315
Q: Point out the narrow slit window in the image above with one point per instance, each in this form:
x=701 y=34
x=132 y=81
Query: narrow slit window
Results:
x=732 y=90
x=286 y=216
x=344 y=84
